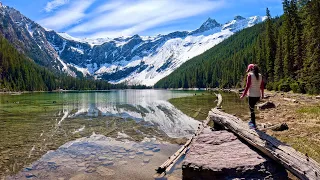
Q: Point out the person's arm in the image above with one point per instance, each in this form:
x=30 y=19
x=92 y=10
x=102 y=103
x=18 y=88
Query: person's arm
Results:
x=262 y=89
x=247 y=86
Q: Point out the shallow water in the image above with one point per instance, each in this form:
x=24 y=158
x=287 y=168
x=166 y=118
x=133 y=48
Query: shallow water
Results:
x=32 y=125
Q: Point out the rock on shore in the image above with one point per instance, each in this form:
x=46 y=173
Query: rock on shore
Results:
x=221 y=155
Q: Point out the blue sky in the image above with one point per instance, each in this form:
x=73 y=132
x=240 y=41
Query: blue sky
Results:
x=113 y=18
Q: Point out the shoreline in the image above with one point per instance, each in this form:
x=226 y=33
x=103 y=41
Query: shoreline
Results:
x=63 y=91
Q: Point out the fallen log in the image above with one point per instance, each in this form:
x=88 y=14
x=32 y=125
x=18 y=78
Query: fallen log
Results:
x=277 y=127
x=298 y=164
x=290 y=100
x=219 y=100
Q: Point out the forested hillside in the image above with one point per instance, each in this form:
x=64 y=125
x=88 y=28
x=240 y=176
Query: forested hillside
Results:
x=286 y=48
x=19 y=73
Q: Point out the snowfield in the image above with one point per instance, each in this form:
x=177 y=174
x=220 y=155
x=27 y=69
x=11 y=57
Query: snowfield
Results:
x=168 y=52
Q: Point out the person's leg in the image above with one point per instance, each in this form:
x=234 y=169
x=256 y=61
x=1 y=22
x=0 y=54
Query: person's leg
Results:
x=251 y=107
x=252 y=102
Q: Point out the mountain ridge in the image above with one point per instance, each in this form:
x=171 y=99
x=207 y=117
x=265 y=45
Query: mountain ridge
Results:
x=136 y=59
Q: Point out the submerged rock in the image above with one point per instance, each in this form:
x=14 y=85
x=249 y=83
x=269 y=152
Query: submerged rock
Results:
x=148 y=153
x=27 y=169
x=104 y=171
x=107 y=163
x=90 y=169
x=139 y=152
x=146 y=160
x=120 y=163
x=101 y=158
x=156 y=149
x=119 y=156
x=81 y=176
x=132 y=157
x=28 y=176
x=122 y=151
x=83 y=164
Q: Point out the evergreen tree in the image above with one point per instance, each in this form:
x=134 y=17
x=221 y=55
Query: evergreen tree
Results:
x=278 y=67
x=311 y=65
x=296 y=32
x=270 y=47
x=287 y=41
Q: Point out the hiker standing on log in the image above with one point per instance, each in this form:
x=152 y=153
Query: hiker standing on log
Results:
x=254 y=89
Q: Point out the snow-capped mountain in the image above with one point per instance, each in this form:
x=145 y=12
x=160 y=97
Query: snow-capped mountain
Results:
x=136 y=59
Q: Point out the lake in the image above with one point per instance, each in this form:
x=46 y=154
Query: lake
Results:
x=107 y=134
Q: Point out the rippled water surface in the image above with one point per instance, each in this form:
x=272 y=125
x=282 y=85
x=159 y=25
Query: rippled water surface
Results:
x=82 y=135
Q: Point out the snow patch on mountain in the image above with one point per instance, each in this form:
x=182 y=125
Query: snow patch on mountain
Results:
x=30 y=30
x=84 y=71
x=68 y=37
x=65 y=68
x=80 y=51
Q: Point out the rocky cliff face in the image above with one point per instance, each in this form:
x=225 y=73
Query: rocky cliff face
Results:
x=28 y=37
x=136 y=59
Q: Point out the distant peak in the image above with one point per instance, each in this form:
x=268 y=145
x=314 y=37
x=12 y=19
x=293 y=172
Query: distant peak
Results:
x=136 y=36
x=210 y=19
x=210 y=22
x=238 y=18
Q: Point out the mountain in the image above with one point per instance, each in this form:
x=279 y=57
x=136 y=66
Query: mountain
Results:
x=20 y=73
x=28 y=37
x=286 y=49
x=136 y=59
x=223 y=65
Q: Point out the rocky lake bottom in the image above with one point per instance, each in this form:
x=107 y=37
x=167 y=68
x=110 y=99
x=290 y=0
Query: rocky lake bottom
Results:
x=90 y=135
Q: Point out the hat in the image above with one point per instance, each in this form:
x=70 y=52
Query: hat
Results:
x=250 y=67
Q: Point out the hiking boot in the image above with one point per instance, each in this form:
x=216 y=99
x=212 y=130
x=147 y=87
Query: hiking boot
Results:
x=251 y=125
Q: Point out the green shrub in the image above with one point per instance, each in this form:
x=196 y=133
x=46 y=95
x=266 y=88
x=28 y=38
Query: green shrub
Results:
x=270 y=86
x=285 y=87
x=295 y=87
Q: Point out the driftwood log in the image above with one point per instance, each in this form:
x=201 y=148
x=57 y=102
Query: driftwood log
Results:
x=219 y=100
x=298 y=164
x=290 y=100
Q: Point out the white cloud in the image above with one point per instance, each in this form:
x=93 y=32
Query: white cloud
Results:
x=109 y=6
x=67 y=16
x=55 y=4
x=132 y=17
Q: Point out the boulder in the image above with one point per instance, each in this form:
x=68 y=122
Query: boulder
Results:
x=266 y=105
x=280 y=127
x=221 y=155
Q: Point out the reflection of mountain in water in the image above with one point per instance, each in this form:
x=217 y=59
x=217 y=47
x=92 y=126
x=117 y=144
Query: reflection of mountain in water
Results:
x=160 y=113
